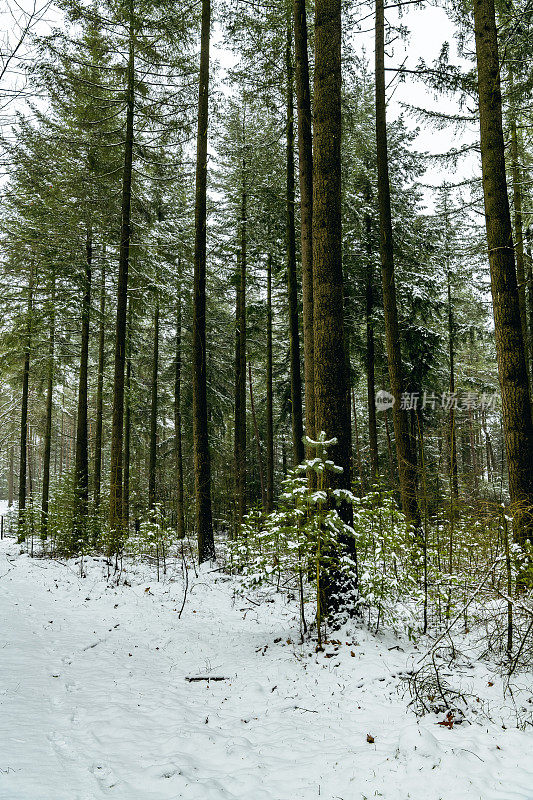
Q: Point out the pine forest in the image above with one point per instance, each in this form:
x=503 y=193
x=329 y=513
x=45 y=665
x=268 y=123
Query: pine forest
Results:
x=266 y=399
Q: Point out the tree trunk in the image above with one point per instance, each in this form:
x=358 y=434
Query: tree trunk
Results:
x=202 y=462
x=370 y=361
x=452 y=438
x=62 y=435
x=305 y=153
x=81 y=468
x=48 y=418
x=257 y=441
x=357 y=445
x=269 y=434
x=240 y=378
x=406 y=467
x=474 y=460
x=116 y=515
x=529 y=271
x=517 y=424
x=152 y=464
x=24 y=409
x=518 y=227
x=180 y=516
x=127 y=422
x=100 y=394
x=454 y=472
x=292 y=281
x=332 y=398
x=10 y=480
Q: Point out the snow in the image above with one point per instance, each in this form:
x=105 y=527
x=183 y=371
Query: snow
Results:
x=95 y=701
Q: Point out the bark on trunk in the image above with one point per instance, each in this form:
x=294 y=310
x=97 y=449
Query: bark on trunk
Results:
x=269 y=433
x=357 y=446
x=370 y=361
x=529 y=273
x=292 y=281
x=518 y=429
x=11 y=481
x=116 y=513
x=48 y=418
x=24 y=410
x=257 y=441
x=152 y=465
x=454 y=471
x=81 y=468
x=202 y=461
x=332 y=398
x=305 y=157
x=99 y=395
x=518 y=227
x=240 y=378
x=180 y=516
x=127 y=422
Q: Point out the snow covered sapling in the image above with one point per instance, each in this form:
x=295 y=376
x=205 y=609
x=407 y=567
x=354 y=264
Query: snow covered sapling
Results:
x=301 y=541
x=154 y=539
x=325 y=531
x=386 y=549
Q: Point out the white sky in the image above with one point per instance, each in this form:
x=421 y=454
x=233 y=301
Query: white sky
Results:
x=430 y=27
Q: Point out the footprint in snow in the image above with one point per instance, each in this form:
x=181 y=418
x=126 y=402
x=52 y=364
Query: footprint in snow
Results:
x=104 y=776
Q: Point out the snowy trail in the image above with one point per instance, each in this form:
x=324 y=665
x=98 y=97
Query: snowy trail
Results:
x=94 y=702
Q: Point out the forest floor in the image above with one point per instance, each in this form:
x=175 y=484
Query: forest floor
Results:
x=95 y=701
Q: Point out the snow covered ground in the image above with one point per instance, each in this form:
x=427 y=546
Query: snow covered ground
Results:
x=95 y=701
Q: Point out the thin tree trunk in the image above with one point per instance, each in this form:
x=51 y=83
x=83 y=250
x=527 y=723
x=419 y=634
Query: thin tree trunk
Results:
x=62 y=437
x=491 y=458
x=370 y=362
x=389 y=444
x=116 y=514
x=10 y=480
x=180 y=517
x=24 y=410
x=240 y=378
x=488 y=448
x=518 y=227
x=257 y=441
x=357 y=445
x=529 y=271
x=452 y=439
x=510 y=347
x=30 y=468
x=127 y=421
x=202 y=462
x=269 y=433
x=475 y=467
x=406 y=467
x=292 y=281
x=81 y=469
x=48 y=418
x=305 y=153
x=152 y=464
x=454 y=472
x=100 y=394
x=332 y=398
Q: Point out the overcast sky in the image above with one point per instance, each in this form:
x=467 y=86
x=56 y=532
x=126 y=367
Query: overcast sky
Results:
x=430 y=28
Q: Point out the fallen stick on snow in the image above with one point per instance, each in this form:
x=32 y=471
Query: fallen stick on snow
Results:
x=192 y=678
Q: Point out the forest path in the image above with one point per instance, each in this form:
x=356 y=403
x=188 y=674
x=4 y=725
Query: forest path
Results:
x=95 y=702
